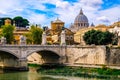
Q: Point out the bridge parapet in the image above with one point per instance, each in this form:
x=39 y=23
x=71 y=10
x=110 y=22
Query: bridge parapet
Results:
x=25 y=50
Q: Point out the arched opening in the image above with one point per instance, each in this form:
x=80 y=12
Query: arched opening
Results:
x=8 y=60
x=43 y=57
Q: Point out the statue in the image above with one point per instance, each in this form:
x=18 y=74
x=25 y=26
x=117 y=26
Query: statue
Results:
x=63 y=42
x=3 y=40
x=44 y=38
x=22 y=40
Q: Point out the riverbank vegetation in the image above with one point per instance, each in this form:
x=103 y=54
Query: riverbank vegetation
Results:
x=79 y=71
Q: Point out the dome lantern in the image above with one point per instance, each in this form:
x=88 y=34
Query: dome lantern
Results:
x=81 y=11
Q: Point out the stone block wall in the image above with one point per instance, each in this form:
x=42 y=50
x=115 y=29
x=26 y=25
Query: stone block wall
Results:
x=86 y=54
x=113 y=56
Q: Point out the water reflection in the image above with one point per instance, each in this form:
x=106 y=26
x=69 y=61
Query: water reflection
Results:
x=38 y=76
x=26 y=76
x=35 y=76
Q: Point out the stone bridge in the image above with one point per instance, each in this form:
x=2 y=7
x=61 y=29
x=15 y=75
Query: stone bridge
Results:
x=21 y=52
x=63 y=54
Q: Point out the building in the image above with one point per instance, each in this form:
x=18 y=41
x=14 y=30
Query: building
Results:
x=17 y=32
x=54 y=34
x=57 y=24
x=7 y=22
x=78 y=36
x=81 y=21
x=114 y=28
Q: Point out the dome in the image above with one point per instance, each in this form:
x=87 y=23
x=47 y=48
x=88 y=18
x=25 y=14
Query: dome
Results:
x=81 y=21
x=58 y=21
x=81 y=18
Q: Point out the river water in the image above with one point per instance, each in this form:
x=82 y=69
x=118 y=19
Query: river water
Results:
x=38 y=76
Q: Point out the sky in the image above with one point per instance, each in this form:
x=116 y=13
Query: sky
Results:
x=44 y=11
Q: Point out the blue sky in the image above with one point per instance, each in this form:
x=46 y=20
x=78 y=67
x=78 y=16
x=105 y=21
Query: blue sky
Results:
x=44 y=11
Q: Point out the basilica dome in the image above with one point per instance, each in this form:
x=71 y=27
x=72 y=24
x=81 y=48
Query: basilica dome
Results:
x=81 y=18
x=81 y=21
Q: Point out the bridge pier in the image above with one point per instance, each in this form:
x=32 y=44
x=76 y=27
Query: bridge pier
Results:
x=22 y=63
x=62 y=59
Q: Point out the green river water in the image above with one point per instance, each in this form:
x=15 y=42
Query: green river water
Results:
x=38 y=76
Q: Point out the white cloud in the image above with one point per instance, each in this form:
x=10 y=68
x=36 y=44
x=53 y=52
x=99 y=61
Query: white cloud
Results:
x=37 y=18
x=49 y=1
x=103 y=19
x=92 y=3
x=63 y=5
x=2 y=12
x=18 y=9
x=34 y=4
x=112 y=14
x=8 y=5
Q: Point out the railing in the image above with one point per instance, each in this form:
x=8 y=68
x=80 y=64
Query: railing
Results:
x=68 y=46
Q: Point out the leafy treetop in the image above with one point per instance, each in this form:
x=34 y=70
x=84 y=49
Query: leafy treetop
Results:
x=98 y=37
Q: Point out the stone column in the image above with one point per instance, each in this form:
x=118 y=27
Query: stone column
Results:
x=44 y=38
x=63 y=42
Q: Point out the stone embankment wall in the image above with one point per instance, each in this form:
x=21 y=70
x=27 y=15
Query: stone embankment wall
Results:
x=93 y=55
x=86 y=54
x=113 y=56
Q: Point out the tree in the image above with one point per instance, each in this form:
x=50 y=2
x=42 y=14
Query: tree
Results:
x=98 y=37
x=29 y=38
x=35 y=35
x=7 y=32
x=20 y=21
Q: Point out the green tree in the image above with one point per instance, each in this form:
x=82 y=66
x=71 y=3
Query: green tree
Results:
x=20 y=21
x=29 y=38
x=35 y=35
x=7 y=32
x=98 y=37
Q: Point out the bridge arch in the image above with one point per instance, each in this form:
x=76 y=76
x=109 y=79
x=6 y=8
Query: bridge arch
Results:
x=8 y=58
x=10 y=52
x=47 y=56
x=40 y=50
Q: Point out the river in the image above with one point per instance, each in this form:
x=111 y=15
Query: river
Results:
x=38 y=76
